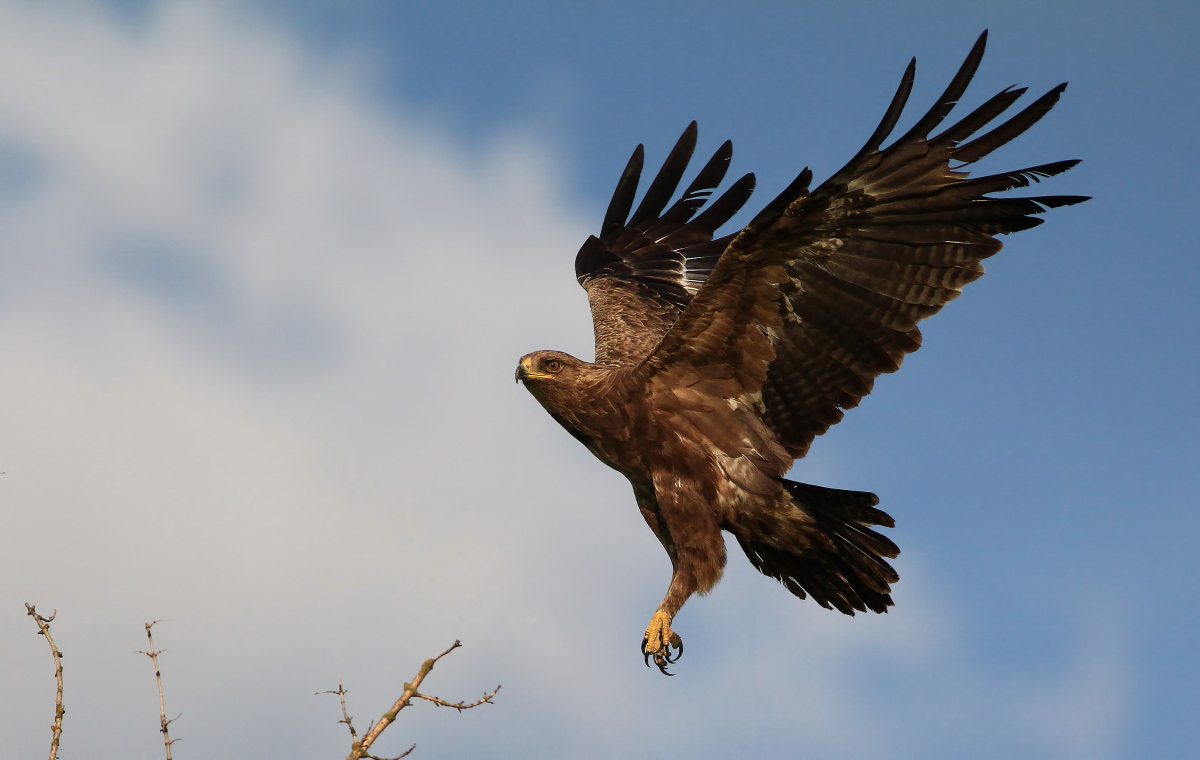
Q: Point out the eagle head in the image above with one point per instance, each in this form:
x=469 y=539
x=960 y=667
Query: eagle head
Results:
x=544 y=367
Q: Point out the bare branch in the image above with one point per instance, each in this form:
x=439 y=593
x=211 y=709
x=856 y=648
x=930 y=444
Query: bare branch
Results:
x=345 y=715
x=460 y=706
x=162 y=705
x=59 y=711
x=362 y=750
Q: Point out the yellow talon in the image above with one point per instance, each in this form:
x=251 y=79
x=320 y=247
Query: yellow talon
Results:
x=658 y=642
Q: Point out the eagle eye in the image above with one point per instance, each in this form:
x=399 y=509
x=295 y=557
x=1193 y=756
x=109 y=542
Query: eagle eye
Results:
x=554 y=365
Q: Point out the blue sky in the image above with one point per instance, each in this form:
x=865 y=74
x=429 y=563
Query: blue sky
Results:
x=269 y=268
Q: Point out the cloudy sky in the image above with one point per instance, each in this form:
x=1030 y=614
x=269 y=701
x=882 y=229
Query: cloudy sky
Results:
x=267 y=269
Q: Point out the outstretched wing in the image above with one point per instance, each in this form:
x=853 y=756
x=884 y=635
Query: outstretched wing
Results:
x=822 y=292
x=643 y=270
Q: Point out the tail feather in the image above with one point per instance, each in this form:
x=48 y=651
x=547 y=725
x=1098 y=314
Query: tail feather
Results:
x=828 y=551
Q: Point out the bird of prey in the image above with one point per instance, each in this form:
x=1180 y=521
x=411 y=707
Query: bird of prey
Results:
x=719 y=360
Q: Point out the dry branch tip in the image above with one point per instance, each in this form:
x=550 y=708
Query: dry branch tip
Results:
x=360 y=750
x=163 y=722
x=59 y=711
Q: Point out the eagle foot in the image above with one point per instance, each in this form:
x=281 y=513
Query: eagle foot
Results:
x=658 y=641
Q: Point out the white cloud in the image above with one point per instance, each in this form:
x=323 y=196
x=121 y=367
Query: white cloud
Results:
x=258 y=339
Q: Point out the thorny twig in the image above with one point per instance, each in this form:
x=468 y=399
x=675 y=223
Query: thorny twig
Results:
x=361 y=750
x=162 y=705
x=59 y=711
x=345 y=715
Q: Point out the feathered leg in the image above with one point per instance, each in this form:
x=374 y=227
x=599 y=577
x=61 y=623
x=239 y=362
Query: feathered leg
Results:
x=683 y=521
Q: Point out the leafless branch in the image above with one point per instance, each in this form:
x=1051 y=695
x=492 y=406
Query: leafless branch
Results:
x=345 y=715
x=59 y=711
x=362 y=750
x=460 y=706
x=162 y=705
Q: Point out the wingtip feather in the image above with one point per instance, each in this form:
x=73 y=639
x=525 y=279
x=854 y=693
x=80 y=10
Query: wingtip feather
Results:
x=892 y=115
x=622 y=199
x=663 y=186
x=953 y=92
x=1009 y=130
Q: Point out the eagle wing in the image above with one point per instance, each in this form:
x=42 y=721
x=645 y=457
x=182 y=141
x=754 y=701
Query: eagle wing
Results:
x=642 y=271
x=822 y=291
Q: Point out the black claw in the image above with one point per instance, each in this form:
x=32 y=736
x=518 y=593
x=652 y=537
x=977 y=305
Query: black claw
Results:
x=677 y=642
x=662 y=658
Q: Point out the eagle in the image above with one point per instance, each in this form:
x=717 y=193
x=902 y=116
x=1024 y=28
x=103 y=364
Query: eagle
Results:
x=720 y=359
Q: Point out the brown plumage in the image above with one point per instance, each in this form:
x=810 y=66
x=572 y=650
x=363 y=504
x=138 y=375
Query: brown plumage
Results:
x=719 y=360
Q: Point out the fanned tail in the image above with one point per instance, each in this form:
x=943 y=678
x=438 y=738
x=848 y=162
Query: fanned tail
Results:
x=826 y=549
